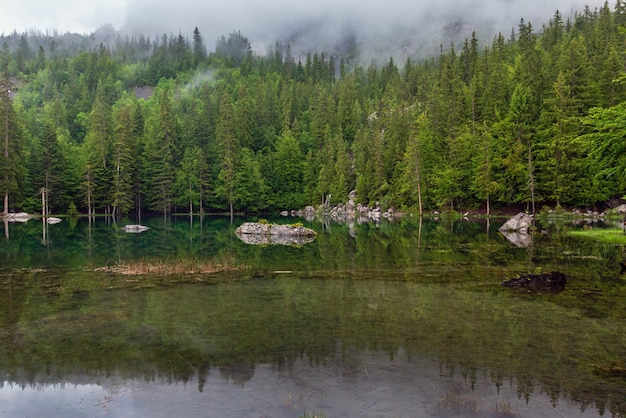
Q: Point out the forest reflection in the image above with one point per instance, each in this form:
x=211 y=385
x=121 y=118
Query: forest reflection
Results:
x=430 y=291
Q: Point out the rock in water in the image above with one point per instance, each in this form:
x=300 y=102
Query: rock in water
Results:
x=263 y=234
x=520 y=223
x=554 y=280
x=135 y=229
x=18 y=217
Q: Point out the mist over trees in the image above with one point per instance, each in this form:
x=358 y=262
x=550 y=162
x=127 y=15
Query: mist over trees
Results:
x=130 y=124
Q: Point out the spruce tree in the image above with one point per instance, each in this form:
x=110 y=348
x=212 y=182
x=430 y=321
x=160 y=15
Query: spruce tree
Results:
x=97 y=148
x=228 y=146
x=123 y=159
x=159 y=152
x=12 y=138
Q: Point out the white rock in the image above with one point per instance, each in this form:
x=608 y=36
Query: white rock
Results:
x=135 y=229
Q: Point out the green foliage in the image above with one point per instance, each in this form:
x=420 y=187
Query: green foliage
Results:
x=249 y=187
x=11 y=146
x=536 y=118
x=610 y=236
x=285 y=173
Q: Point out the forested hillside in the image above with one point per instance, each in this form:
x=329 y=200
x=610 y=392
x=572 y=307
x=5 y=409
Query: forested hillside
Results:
x=130 y=124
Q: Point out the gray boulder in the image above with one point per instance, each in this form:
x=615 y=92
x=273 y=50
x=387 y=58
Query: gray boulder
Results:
x=518 y=223
x=621 y=208
x=262 y=234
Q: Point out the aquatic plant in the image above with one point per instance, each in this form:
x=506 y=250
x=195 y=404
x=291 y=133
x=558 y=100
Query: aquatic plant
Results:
x=176 y=266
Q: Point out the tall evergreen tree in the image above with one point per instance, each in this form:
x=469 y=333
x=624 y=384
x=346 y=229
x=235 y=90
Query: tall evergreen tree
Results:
x=248 y=182
x=414 y=164
x=605 y=147
x=228 y=146
x=484 y=184
x=514 y=135
x=160 y=149
x=98 y=146
x=199 y=49
x=12 y=137
x=286 y=173
x=558 y=152
x=52 y=167
x=122 y=192
x=187 y=183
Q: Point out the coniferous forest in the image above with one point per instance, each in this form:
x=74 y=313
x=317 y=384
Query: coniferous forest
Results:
x=135 y=124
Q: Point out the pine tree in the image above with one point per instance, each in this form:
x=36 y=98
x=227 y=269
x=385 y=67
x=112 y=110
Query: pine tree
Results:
x=341 y=183
x=52 y=165
x=188 y=183
x=159 y=152
x=529 y=68
x=515 y=132
x=249 y=183
x=287 y=172
x=558 y=152
x=620 y=13
x=199 y=49
x=484 y=184
x=123 y=159
x=409 y=189
x=12 y=137
x=605 y=147
x=228 y=146
x=97 y=147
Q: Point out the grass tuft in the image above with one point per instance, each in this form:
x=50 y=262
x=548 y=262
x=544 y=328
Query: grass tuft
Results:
x=167 y=267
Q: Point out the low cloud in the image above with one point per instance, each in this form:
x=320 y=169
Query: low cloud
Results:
x=386 y=27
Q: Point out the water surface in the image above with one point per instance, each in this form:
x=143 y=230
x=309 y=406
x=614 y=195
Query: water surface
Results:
x=390 y=320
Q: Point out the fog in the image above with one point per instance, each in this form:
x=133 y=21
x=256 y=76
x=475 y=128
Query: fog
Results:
x=380 y=28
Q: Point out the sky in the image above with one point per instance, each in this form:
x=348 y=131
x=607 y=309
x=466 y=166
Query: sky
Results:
x=264 y=22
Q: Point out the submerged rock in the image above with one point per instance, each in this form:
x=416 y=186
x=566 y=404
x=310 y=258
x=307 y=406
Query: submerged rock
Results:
x=554 y=280
x=260 y=233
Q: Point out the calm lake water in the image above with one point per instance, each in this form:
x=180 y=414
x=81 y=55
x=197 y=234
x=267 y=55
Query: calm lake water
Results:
x=397 y=319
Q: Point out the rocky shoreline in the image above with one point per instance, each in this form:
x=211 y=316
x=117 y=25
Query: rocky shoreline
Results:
x=357 y=212
x=348 y=211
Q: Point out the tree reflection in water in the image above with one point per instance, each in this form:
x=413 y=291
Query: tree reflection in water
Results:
x=368 y=321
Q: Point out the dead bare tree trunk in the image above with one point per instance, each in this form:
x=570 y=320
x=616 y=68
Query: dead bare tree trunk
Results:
x=531 y=180
x=6 y=156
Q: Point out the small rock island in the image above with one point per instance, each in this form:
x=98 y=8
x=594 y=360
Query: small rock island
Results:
x=258 y=233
